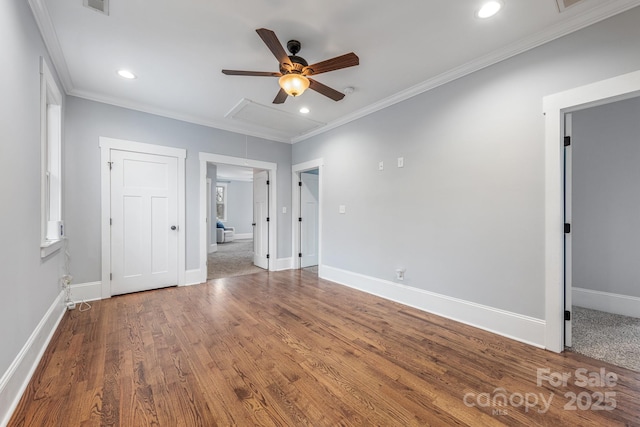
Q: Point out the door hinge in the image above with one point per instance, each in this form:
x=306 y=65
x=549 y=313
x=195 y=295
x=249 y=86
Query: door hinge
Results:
x=110 y=276
x=267 y=256
x=110 y=165
x=110 y=221
x=567 y=315
x=267 y=219
x=567 y=228
x=567 y=141
x=299 y=183
x=268 y=182
x=299 y=254
x=299 y=219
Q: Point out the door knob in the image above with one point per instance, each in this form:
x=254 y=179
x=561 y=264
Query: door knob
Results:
x=173 y=227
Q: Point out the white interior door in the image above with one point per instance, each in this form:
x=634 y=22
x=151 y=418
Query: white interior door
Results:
x=144 y=221
x=309 y=223
x=261 y=219
x=212 y=243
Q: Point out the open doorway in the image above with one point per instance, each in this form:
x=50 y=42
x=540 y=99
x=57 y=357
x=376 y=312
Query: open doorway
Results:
x=308 y=220
x=231 y=218
x=555 y=107
x=602 y=206
x=306 y=199
x=237 y=218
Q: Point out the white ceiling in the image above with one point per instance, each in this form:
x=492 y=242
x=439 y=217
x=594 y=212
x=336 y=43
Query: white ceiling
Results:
x=178 y=47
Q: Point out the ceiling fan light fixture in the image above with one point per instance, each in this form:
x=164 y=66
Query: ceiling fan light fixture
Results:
x=294 y=84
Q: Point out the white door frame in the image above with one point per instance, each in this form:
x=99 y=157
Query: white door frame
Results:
x=296 y=170
x=273 y=217
x=108 y=144
x=568 y=237
x=555 y=107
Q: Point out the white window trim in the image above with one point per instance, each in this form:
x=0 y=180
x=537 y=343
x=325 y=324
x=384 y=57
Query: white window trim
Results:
x=224 y=202
x=51 y=159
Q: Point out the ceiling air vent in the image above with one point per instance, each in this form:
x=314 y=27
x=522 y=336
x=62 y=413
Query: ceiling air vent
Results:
x=101 y=6
x=566 y=4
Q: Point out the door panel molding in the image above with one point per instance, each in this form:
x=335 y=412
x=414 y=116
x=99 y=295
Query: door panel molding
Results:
x=106 y=146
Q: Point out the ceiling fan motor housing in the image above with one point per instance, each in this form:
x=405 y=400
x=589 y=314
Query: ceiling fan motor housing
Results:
x=297 y=62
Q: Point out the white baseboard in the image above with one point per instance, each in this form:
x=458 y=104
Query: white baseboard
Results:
x=284 y=264
x=605 y=301
x=91 y=291
x=243 y=235
x=15 y=380
x=508 y=324
x=195 y=277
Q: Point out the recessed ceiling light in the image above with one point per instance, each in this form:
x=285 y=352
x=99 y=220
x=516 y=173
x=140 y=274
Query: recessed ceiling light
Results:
x=126 y=74
x=304 y=110
x=489 y=9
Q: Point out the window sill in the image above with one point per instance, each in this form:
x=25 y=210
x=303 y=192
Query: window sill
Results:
x=49 y=246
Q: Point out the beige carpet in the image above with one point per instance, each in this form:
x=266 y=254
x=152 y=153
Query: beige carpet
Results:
x=232 y=259
x=608 y=337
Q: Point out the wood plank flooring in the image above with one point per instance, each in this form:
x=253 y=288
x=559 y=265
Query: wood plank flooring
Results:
x=289 y=349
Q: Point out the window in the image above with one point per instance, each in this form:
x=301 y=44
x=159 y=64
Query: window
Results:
x=221 y=201
x=51 y=162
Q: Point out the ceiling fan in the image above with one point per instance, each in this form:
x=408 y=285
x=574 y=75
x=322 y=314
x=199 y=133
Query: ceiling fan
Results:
x=295 y=71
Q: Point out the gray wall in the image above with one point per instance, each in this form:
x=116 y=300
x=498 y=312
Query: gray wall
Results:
x=29 y=284
x=87 y=121
x=240 y=206
x=465 y=216
x=606 y=198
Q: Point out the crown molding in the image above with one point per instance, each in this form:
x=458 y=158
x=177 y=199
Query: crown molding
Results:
x=583 y=20
x=50 y=38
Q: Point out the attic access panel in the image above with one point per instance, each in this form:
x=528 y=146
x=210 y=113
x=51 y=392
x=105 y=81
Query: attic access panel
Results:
x=272 y=118
x=565 y=4
x=101 y=6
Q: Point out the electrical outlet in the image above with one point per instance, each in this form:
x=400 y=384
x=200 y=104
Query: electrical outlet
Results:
x=400 y=273
x=380 y=165
x=400 y=162
x=71 y=305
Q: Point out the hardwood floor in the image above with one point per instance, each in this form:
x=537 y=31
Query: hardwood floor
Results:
x=290 y=349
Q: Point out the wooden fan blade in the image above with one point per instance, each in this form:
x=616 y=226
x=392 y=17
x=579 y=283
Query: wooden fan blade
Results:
x=251 y=73
x=280 y=97
x=344 y=61
x=325 y=90
x=271 y=40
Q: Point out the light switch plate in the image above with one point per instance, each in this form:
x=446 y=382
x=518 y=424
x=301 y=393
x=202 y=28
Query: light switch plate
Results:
x=342 y=209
